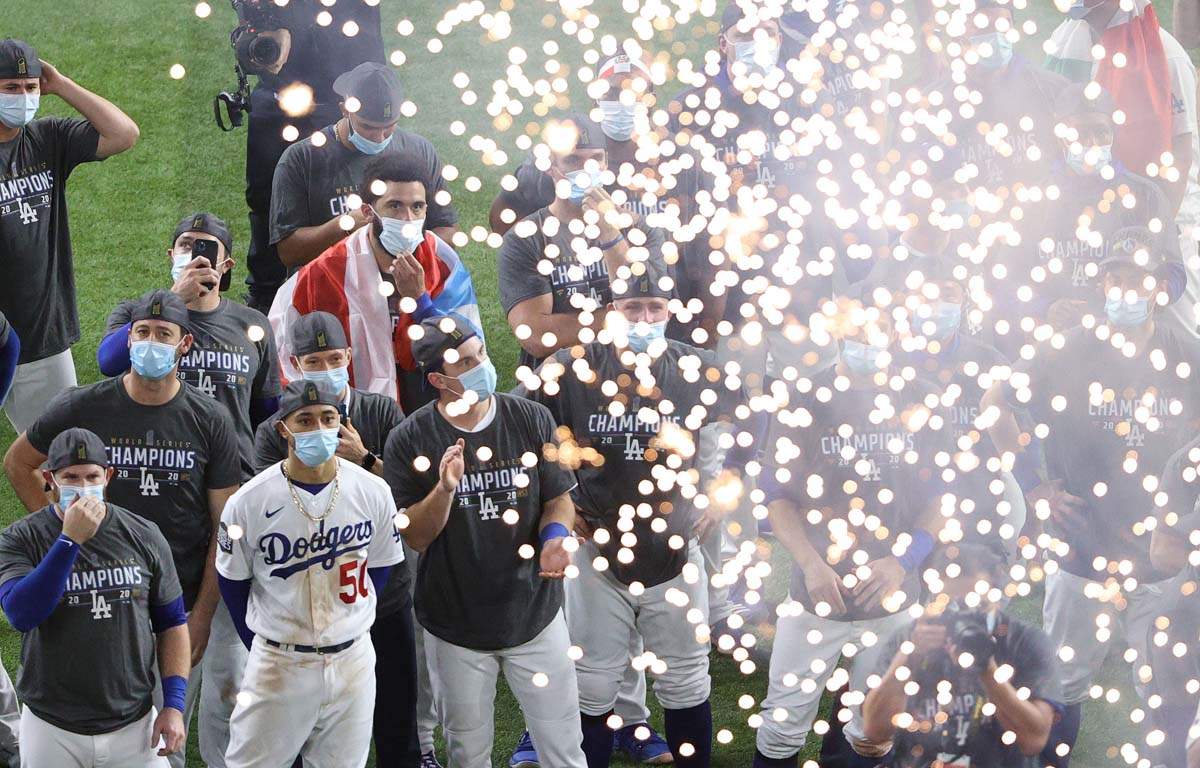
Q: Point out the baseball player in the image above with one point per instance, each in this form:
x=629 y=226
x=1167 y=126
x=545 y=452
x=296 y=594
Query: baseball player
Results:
x=303 y=550
x=849 y=486
x=632 y=406
x=483 y=500
x=173 y=451
x=93 y=589
x=1102 y=456
x=322 y=354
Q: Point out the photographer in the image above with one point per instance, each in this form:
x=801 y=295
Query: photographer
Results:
x=1002 y=674
x=308 y=54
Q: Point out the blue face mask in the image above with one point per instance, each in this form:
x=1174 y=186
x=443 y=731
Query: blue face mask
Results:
x=581 y=182
x=18 y=109
x=316 y=447
x=152 y=359
x=67 y=494
x=757 y=58
x=1002 y=50
x=961 y=207
x=860 y=358
x=1122 y=314
x=1077 y=161
x=368 y=147
x=401 y=235
x=946 y=318
x=334 y=381
x=481 y=380
x=640 y=342
x=618 y=121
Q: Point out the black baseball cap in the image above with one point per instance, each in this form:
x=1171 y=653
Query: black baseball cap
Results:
x=376 y=87
x=589 y=135
x=301 y=394
x=440 y=334
x=161 y=304
x=1135 y=245
x=76 y=446
x=317 y=332
x=18 y=59
x=734 y=12
x=643 y=280
x=209 y=224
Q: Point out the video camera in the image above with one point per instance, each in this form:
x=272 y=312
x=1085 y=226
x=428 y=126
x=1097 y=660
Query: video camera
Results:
x=257 y=52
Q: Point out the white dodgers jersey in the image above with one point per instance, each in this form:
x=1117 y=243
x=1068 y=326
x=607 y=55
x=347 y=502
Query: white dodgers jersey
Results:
x=309 y=578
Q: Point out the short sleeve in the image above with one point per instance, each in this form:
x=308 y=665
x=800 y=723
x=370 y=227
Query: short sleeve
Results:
x=223 y=469
x=269 y=447
x=554 y=479
x=58 y=416
x=165 y=586
x=534 y=191
x=119 y=317
x=439 y=215
x=1035 y=665
x=289 y=194
x=1183 y=95
x=76 y=142
x=16 y=556
x=408 y=485
x=385 y=549
x=516 y=269
x=235 y=555
x=266 y=380
x=1181 y=493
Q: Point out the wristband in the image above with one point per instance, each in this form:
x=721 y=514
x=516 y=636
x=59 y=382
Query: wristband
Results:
x=65 y=539
x=917 y=552
x=611 y=243
x=553 y=531
x=1026 y=470
x=368 y=461
x=174 y=692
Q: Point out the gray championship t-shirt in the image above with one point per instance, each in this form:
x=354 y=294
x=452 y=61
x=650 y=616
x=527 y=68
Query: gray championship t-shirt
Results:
x=634 y=449
x=373 y=416
x=960 y=728
x=89 y=667
x=226 y=364
x=312 y=184
x=535 y=264
x=37 y=271
x=880 y=474
x=473 y=587
x=165 y=459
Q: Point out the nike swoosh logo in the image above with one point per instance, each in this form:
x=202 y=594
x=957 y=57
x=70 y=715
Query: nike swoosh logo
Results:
x=274 y=512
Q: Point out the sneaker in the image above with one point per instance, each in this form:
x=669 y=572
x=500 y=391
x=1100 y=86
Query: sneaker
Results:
x=524 y=756
x=652 y=751
x=429 y=760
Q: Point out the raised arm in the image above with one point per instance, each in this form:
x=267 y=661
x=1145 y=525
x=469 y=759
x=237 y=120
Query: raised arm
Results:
x=117 y=130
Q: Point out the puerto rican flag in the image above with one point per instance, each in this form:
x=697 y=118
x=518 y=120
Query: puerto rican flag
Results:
x=345 y=281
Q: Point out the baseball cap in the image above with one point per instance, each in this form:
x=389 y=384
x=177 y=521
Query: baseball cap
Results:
x=161 y=304
x=621 y=64
x=1134 y=245
x=735 y=11
x=376 y=87
x=643 y=280
x=587 y=133
x=440 y=334
x=76 y=446
x=1073 y=100
x=301 y=394
x=209 y=224
x=18 y=59
x=317 y=332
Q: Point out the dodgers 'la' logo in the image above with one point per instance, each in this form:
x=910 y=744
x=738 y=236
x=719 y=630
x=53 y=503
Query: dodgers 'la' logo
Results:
x=633 y=449
x=28 y=214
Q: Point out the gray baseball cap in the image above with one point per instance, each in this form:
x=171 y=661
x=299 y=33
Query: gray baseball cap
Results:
x=317 y=332
x=76 y=446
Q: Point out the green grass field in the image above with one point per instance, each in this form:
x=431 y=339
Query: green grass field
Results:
x=124 y=210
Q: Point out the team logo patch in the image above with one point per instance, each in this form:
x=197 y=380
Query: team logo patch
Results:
x=311 y=394
x=198 y=222
x=156 y=308
x=321 y=343
x=82 y=452
x=387 y=110
x=223 y=540
x=22 y=67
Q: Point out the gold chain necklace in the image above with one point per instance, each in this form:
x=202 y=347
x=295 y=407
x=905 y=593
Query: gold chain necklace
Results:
x=300 y=504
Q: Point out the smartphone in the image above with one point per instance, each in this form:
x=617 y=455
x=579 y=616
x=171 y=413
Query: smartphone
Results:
x=208 y=249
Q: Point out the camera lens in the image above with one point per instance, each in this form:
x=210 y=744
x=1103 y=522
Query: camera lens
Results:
x=264 y=51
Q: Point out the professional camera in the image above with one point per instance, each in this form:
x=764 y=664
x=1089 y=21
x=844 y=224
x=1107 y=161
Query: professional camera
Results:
x=257 y=50
x=968 y=632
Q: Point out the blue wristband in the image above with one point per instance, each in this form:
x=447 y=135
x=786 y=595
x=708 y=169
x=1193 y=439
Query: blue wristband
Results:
x=611 y=243
x=1027 y=470
x=174 y=692
x=553 y=531
x=917 y=552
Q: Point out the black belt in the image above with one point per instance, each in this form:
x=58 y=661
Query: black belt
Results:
x=321 y=650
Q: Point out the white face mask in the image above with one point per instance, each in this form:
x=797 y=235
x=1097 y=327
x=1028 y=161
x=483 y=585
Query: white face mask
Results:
x=18 y=109
x=179 y=262
x=761 y=57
